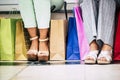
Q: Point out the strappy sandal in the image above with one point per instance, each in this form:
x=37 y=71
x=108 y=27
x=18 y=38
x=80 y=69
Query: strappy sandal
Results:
x=43 y=55
x=32 y=54
x=105 y=54
x=93 y=55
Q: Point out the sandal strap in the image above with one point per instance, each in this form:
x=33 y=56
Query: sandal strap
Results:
x=46 y=53
x=33 y=38
x=106 y=55
x=33 y=51
x=42 y=40
x=93 y=54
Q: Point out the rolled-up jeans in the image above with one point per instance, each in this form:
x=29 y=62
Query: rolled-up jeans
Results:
x=37 y=13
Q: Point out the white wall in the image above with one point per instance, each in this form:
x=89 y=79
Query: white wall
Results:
x=9 y=5
x=70 y=1
x=8 y=1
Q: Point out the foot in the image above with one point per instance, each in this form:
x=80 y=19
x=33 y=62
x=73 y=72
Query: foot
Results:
x=32 y=52
x=105 y=56
x=92 y=55
x=43 y=53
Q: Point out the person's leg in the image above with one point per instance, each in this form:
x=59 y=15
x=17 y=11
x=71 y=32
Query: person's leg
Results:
x=43 y=46
x=106 y=21
x=89 y=13
x=34 y=38
x=93 y=45
x=27 y=13
x=106 y=27
x=28 y=16
x=42 y=10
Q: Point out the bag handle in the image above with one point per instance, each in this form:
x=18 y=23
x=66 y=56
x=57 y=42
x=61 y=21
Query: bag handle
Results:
x=65 y=9
x=13 y=13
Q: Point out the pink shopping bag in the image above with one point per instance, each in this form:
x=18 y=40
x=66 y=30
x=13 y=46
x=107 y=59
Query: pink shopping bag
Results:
x=82 y=40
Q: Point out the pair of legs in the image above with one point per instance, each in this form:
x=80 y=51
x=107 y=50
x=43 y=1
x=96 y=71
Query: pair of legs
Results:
x=36 y=17
x=94 y=49
x=39 y=47
x=98 y=17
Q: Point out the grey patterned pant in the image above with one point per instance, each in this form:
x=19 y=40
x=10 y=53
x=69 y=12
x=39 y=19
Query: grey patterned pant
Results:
x=98 y=17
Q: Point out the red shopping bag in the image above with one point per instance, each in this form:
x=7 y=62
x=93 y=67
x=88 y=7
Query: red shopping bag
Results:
x=116 y=55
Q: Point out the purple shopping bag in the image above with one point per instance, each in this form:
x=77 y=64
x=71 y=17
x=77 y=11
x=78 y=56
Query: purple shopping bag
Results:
x=82 y=40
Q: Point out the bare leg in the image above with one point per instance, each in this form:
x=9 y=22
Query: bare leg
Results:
x=33 y=33
x=43 y=45
x=93 y=47
x=106 y=47
x=32 y=52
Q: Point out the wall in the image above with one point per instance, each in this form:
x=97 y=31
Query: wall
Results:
x=9 y=5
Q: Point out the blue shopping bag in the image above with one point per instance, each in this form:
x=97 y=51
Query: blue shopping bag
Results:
x=72 y=52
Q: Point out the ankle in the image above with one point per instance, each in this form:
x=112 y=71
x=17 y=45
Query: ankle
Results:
x=34 y=40
x=93 y=46
x=43 y=44
x=34 y=43
x=43 y=39
x=106 y=47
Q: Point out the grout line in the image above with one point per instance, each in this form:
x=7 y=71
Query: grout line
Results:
x=12 y=78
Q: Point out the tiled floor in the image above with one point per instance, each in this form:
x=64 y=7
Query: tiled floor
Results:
x=58 y=70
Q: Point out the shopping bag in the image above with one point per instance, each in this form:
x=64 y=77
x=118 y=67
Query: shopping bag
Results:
x=0 y=39
x=20 y=46
x=116 y=55
x=58 y=33
x=72 y=41
x=27 y=38
x=7 y=38
x=82 y=39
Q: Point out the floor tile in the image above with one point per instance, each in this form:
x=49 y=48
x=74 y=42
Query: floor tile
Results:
x=52 y=72
x=102 y=72
x=7 y=72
